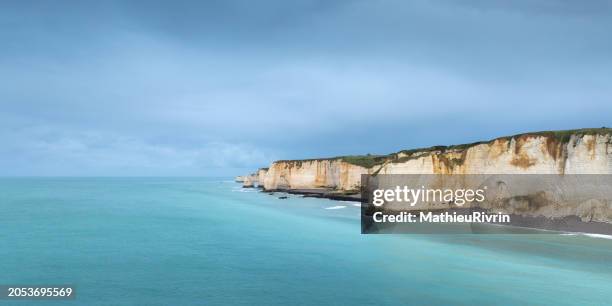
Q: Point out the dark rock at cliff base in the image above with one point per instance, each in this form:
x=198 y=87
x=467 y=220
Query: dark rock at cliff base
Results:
x=322 y=193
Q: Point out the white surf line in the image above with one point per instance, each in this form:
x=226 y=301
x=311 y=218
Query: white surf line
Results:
x=336 y=207
x=596 y=235
x=602 y=236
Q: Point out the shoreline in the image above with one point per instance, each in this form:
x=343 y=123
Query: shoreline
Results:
x=317 y=193
x=568 y=224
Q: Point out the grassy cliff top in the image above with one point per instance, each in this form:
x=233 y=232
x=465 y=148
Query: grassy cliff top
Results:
x=368 y=161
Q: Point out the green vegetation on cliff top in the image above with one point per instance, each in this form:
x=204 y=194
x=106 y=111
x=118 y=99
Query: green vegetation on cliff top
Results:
x=366 y=161
x=369 y=161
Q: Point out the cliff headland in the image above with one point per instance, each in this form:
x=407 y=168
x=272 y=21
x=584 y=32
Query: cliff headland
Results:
x=580 y=151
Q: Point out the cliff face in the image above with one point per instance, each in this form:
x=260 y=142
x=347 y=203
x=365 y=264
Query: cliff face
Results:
x=261 y=176
x=309 y=174
x=253 y=179
x=249 y=181
x=587 y=151
x=524 y=154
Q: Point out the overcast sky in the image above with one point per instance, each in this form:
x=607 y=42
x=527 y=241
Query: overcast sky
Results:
x=218 y=87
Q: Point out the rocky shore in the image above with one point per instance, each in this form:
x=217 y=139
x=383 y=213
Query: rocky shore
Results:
x=582 y=151
x=322 y=193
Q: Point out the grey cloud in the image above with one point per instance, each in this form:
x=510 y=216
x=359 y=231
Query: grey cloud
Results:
x=48 y=151
x=176 y=88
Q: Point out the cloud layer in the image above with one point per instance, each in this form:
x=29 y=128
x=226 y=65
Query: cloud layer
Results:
x=213 y=88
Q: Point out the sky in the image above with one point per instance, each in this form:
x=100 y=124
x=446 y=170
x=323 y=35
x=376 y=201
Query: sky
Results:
x=217 y=88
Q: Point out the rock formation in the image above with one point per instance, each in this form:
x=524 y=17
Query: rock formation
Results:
x=585 y=151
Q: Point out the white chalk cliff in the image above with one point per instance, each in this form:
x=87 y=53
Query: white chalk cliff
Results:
x=586 y=151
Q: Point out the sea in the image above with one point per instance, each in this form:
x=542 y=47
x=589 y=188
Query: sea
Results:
x=207 y=241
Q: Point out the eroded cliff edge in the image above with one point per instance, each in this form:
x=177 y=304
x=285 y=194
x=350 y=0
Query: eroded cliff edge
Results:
x=584 y=151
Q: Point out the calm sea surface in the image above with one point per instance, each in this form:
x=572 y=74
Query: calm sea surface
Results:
x=170 y=241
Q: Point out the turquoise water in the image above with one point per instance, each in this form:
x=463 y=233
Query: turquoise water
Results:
x=208 y=242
